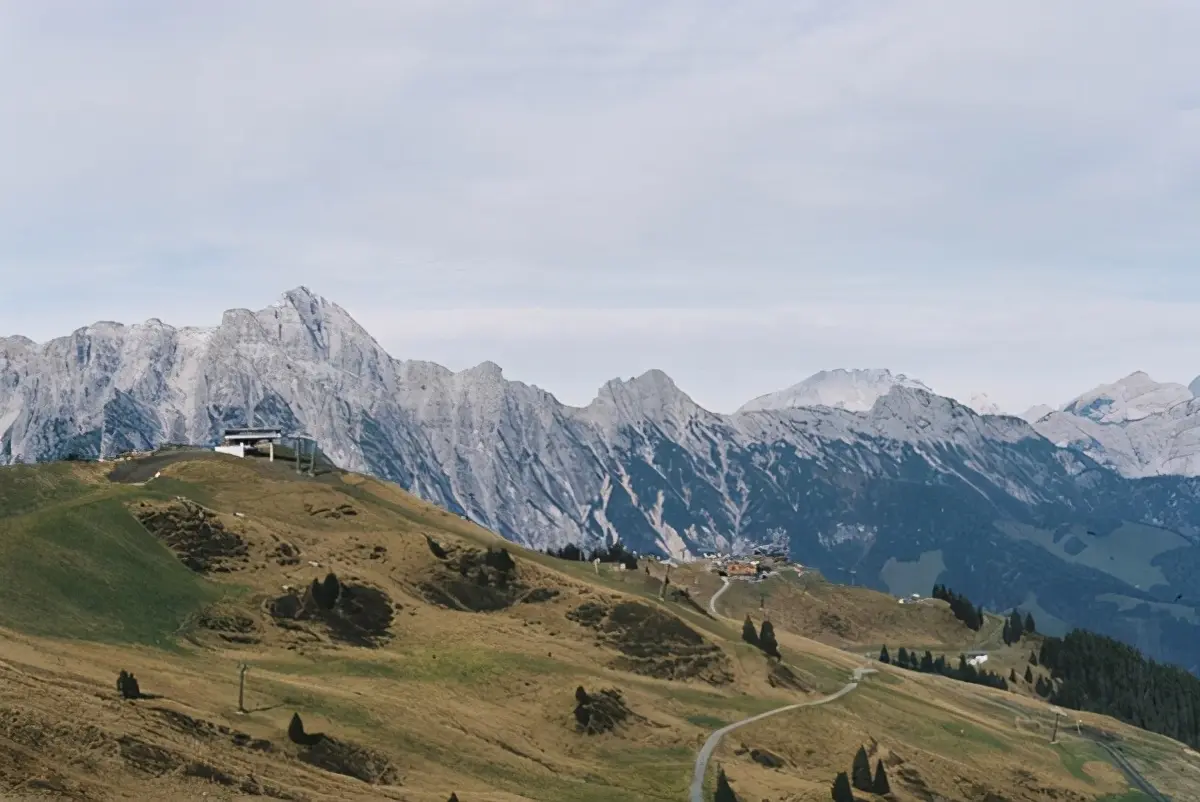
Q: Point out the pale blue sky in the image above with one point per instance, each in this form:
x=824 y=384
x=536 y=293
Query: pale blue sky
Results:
x=995 y=196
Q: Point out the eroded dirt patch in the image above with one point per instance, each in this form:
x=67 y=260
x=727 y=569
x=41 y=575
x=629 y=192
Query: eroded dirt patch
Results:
x=352 y=760
x=231 y=625
x=197 y=536
x=781 y=676
x=654 y=643
x=209 y=731
x=478 y=580
x=343 y=510
x=360 y=615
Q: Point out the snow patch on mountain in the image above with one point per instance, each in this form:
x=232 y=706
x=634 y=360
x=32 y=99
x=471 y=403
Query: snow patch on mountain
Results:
x=854 y=390
x=1037 y=412
x=983 y=404
x=1132 y=398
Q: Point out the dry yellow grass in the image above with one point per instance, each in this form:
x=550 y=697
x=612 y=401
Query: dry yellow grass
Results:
x=475 y=703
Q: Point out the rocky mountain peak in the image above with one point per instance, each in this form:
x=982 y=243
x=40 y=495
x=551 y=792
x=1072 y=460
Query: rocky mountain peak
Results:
x=855 y=390
x=1131 y=398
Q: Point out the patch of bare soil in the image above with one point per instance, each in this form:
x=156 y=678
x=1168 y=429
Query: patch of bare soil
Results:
x=208 y=731
x=359 y=615
x=654 y=643
x=157 y=761
x=781 y=676
x=478 y=581
x=342 y=757
x=682 y=596
x=352 y=760
x=286 y=554
x=343 y=510
x=230 y=625
x=197 y=536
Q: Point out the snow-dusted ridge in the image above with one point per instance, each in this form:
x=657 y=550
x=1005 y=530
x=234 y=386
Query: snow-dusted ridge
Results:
x=855 y=390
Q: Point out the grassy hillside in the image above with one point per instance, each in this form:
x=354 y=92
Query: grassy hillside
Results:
x=440 y=667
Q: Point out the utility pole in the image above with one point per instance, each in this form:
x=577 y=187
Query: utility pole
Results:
x=242 y=688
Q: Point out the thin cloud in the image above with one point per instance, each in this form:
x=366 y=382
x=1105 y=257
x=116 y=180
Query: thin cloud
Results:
x=588 y=189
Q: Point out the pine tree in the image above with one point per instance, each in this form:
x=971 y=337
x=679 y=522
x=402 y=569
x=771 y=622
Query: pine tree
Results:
x=883 y=655
x=902 y=657
x=766 y=640
x=927 y=662
x=724 y=793
x=1028 y=674
x=1012 y=675
x=1029 y=624
x=1016 y=625
x=860 y=771
x=453 y=798
x=842 y=792
x=749 y=634
x=881 y=785
x=331 y=590
x=1033 y=661
x=296 y=730
x=1007 y=633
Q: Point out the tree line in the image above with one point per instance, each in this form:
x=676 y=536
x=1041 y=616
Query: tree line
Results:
x=928 y=664
x=616 y=553
x=1016 y=627
x=961 y=606
x=1098 y=674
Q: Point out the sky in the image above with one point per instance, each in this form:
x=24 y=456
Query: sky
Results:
x=1000 y=196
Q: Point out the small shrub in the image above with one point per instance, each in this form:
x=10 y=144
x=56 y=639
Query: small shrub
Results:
x=127 y=685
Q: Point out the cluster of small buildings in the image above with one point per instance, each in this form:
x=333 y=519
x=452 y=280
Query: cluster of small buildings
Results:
x=754 y=567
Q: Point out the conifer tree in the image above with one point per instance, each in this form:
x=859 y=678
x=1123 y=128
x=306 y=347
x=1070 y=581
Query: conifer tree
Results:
x=902 y=657
x=881 y=785
x=1012 y=675
x=860 y=771
x=766 y=640
x=724 y=793
x=883 y=655
x=1030 y=627
x=841 y=791
x=749 y=634
x=1033 y=660
x=927 y=662
x=1028 y=674
x=296 y=730
x=331 y=589
x=1016 y=625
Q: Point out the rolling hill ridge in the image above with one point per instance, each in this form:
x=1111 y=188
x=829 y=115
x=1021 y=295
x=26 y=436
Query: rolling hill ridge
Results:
x=441 y=659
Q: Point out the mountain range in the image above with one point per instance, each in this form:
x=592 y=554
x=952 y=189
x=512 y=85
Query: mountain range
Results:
x=1086 y=515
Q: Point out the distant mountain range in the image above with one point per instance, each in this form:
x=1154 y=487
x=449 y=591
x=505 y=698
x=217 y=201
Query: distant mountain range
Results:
x=1088 y=515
